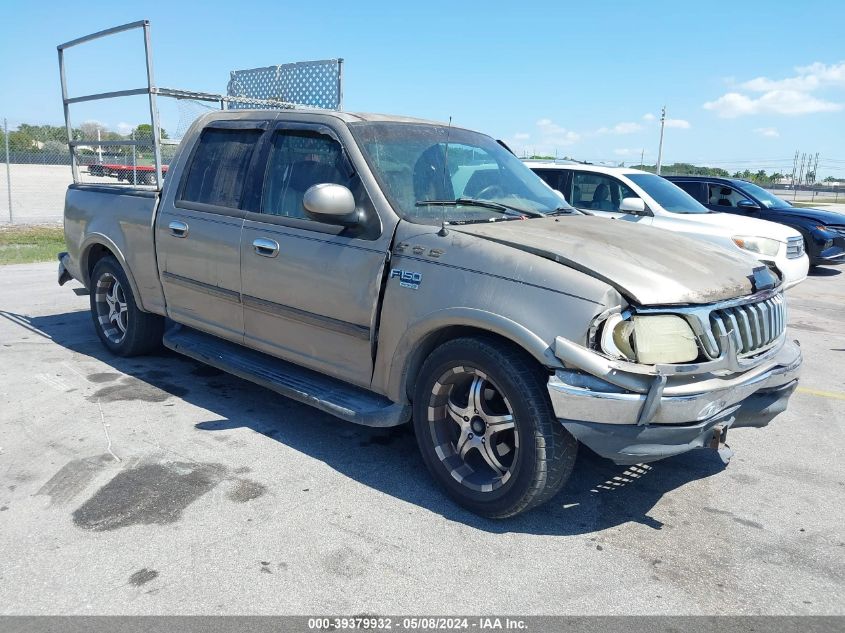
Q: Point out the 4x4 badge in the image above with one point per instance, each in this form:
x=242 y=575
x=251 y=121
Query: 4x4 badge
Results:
x=407 y=279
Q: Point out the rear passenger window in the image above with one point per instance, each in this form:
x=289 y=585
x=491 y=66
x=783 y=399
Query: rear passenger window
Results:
x=217 y=172
x=693 y=188
x=300 y=160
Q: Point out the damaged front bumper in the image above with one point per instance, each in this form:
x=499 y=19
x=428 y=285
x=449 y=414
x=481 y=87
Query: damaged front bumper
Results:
x=639 y=418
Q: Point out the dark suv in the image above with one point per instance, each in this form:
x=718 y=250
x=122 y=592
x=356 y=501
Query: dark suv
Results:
x=823 y=231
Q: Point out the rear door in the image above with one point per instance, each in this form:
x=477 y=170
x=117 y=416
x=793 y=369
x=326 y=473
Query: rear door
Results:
x=310 y=289
x=696 y=188
x=198 y=230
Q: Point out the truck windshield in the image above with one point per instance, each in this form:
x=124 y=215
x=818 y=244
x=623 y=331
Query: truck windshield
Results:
x=433 y=173
x=667 y=194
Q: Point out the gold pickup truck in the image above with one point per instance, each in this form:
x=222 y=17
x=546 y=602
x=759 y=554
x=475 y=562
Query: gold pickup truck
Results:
x=387 y=270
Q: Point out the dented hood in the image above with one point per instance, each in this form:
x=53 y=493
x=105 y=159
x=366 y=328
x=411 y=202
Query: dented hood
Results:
x=650 y=266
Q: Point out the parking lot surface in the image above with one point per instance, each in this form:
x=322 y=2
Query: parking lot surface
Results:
x=158 y=485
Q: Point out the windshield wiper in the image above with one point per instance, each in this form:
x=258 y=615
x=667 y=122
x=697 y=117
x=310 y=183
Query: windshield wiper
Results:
x=566 y=211
x=486 y=204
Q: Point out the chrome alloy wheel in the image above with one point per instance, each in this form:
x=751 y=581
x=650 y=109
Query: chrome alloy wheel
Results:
x=111 y=304
x=472 y=427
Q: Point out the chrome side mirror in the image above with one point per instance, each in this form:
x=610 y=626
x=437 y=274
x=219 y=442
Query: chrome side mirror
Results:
x=330 y=203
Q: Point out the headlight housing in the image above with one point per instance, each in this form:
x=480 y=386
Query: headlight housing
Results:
x=650 y=339
x=760 y=245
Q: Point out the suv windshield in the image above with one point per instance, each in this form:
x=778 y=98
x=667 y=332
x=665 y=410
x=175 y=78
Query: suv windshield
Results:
x=667 y=194
x=433 y=174
x=768 y=200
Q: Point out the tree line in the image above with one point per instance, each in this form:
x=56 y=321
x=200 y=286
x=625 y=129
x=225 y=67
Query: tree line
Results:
x=53 y=138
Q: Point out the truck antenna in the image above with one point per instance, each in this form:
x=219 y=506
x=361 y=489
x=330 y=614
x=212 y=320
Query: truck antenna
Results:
x=443 y=231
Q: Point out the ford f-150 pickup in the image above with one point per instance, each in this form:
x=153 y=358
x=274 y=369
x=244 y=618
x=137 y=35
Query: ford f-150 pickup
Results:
x=377 y=268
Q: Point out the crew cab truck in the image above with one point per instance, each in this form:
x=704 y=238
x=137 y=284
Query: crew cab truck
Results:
x=362 y=264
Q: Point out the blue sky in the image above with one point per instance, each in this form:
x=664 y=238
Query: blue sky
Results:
x=745 y=83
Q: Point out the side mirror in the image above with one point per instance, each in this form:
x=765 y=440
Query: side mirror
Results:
x=634 y=206
x=330 y=203
x=747 y=205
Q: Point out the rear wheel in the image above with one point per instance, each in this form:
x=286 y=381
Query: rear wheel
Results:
x=486 y=429
x=121 y=326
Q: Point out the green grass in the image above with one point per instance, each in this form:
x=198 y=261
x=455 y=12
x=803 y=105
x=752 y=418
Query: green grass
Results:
x=28 y=244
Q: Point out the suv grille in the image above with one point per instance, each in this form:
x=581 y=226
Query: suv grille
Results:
x=838 y=228
x=794 y=247
x=754 y=326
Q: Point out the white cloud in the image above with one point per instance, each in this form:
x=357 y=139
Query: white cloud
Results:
x=807 y=79
x=788 y=102
x=648 y=116
x=678 y=123
x=769 y=132
x=626 y=127
x=787 y=96
x=552 y=134
x=124 y=128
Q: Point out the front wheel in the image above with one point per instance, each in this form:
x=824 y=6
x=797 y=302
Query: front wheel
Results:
x=486 y=430
x=121 y=326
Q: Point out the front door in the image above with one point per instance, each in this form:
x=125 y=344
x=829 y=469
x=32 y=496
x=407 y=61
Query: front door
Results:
x=198 y=231
x=601 y=195
x=310 y=289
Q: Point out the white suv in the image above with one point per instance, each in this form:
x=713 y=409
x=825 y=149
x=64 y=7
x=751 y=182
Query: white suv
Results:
x=637 y=196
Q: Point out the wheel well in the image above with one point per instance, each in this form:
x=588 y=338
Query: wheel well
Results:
x=95 y=254
x=437 y=338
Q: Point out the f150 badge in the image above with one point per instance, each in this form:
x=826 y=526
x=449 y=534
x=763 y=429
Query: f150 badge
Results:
x=407 y=279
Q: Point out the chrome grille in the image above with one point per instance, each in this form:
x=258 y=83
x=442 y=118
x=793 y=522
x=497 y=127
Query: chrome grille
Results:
x=754 y=326
x=794 y=247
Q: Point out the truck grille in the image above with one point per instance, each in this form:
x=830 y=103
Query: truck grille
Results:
x=794 y=247
x=754 y=327
x=837 y=228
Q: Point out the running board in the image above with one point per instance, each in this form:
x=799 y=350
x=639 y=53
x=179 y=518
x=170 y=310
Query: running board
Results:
x=333 y=396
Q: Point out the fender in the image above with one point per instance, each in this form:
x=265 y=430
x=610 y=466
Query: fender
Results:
x=411 y=345
x=99 y=239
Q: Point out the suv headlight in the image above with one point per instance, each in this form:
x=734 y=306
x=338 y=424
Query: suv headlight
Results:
x=759 y=245
x=650 y=339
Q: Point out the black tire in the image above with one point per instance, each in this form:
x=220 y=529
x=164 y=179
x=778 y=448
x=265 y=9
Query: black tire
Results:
x=543 y=451
x=124 y=330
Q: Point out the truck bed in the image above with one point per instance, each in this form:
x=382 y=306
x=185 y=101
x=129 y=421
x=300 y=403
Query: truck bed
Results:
x=122 y=217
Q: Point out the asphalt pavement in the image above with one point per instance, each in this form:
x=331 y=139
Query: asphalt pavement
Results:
x=156 y=485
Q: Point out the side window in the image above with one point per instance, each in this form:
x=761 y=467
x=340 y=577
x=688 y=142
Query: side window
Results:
x=723 y=196
x=217 y=172
x=693 y=188
x=299 y=160
x=552 y=177
x=598 y=192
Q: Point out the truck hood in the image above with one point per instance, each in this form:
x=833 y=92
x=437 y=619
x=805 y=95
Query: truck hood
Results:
x=650 y=266
x=731 y=225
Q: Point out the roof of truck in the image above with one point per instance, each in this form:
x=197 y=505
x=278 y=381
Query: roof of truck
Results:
x=347 y=117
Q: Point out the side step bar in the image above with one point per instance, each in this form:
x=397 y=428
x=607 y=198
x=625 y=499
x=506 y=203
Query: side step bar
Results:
x=333 y=396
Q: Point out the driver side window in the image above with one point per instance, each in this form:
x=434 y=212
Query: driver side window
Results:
x=720 y=195
x=299 y=160
x=598 y=192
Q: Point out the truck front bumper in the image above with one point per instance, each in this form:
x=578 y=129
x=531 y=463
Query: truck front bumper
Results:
x=630 y=427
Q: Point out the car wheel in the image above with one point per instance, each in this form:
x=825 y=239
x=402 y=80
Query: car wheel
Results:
x=121 y=326
x=486 y=429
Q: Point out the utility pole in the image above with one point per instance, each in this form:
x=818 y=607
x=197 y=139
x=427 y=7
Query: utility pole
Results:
x=642 y=158
x=99 y=148
x=800 y=176
x=660 y=147
x=794 y=169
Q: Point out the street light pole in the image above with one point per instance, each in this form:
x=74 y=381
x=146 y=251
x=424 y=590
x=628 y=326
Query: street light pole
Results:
x=660 y=147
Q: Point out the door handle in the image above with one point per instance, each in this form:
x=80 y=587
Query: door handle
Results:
x=265 y=247
x=178 y=229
